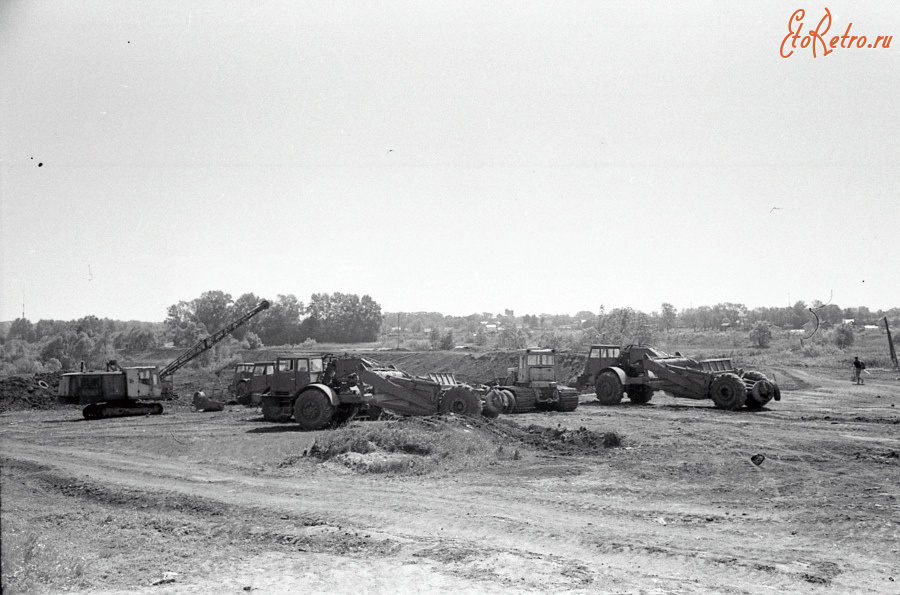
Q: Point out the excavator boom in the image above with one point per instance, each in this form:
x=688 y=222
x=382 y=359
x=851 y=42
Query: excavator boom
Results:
x=205 y=344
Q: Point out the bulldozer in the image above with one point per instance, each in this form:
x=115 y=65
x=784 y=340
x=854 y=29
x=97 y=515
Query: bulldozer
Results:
x=135 y=390
x=640 y=370
x=533 y=385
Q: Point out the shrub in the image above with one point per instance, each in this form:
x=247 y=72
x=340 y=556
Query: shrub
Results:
x=843 y=336
x=761 y=334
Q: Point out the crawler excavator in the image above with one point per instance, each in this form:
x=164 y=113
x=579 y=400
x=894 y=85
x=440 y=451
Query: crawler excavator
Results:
x=118 y=392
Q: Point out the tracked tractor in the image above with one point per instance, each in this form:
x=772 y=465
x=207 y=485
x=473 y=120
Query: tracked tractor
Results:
x=136 y=390
x=534 y=385
x=640 y=370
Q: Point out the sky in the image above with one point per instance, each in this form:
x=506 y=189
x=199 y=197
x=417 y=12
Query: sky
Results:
x=457 y=157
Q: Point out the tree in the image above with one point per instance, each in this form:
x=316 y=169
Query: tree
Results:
x=761 y=334
x=343 y=318
x=253 y=341
x=667 y=316
x=246 y=303
x=213 y=309
x=512 y=337
x=625 y=326
x=434 y=337
x=447 y=341
x=21 y=328
x=280 y=324
x=843 y=336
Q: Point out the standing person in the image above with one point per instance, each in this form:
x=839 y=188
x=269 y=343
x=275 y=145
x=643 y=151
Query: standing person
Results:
x=858 y=368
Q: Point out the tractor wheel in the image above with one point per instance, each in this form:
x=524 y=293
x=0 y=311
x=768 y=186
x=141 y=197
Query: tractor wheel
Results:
x=525 y=400
x=494 y=403
x=728 y=391
x=639 y=393
x=510 y=404
x=313 y=410
x=242 y=394
x=461 y=401
x=760 y=394
x=609 y=388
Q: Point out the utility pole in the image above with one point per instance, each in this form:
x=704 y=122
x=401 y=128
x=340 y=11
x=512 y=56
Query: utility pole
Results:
x=891 y=344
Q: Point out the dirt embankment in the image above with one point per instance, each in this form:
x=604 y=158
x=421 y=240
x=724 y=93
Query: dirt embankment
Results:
x=37 y=391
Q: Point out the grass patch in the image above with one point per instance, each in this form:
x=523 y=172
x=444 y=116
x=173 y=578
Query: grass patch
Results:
x=31 y=563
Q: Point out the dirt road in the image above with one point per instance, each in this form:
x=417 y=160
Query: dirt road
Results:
x=225 y=503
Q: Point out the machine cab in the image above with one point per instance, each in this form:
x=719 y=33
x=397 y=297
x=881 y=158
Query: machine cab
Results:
x=599 y=357
x=142 y=382
x=293 y=373
x=261 y=376
x=537 y=367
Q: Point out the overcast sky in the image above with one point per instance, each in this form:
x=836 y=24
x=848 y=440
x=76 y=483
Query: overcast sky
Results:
x=460 y=157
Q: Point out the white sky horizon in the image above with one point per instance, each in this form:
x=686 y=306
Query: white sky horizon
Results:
x=446 y=157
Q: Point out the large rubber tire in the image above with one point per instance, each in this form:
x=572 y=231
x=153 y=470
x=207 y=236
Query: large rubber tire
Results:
x=728 y=392
x=510 y=404
x=609 y=388
x=242 y=394
x=461 y=401
x=525 y=400
x=639 y=393
x=313 y=410
x=494 y=403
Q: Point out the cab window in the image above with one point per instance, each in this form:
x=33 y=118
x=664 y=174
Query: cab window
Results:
x=302 y=365
x=89 y=382
x=315 y=365
x=535 y=359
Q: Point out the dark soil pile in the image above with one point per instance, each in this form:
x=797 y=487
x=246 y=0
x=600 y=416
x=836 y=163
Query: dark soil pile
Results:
x=559 y=440
x=36 y=392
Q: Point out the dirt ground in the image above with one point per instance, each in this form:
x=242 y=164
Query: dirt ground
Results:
x=224 y=502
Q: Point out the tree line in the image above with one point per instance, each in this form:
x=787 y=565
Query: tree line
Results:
x=52 y=345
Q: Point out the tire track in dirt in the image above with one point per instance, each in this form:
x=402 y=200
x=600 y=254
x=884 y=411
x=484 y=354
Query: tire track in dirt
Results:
x=542 y=528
